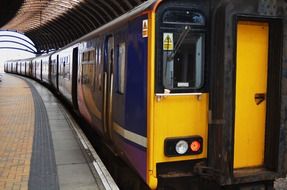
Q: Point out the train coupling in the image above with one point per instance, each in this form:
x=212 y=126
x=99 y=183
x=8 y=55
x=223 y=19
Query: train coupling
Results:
x=206 y=172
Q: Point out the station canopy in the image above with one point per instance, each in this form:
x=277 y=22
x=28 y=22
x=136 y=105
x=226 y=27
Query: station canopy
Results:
x=52 y=24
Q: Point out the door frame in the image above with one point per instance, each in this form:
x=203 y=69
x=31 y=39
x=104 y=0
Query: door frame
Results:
x=273 y=94
x=222 y=101
x=108 y=86
x=75 y=54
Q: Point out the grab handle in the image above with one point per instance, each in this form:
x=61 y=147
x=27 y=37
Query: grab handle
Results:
x=259 y=98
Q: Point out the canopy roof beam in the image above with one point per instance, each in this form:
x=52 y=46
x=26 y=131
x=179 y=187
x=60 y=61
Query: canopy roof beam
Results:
x=52 y=24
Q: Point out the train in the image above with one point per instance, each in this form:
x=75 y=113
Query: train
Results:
x=185 y=88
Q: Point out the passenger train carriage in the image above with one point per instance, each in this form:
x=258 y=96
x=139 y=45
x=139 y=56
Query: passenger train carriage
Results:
x=183 y=88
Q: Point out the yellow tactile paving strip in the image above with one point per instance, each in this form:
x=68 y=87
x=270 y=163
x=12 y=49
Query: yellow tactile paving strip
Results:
x=16 y=133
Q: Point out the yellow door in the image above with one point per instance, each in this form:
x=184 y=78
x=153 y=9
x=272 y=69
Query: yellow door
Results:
x=251 y=87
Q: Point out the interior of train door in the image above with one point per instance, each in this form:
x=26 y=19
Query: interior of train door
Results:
x=251 y=88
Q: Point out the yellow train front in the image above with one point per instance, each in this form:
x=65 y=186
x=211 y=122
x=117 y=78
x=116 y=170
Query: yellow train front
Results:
x=216 y=92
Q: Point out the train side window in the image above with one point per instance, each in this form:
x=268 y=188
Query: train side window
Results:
x=67 y=68
x=100 y=68
x=96 y=69
x=92 y=56
x=88 y=68
x=96 y=58
x=100 y=56
x=85 y=56
x=121 y=67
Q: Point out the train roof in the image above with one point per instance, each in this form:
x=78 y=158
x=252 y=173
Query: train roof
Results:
x=125 y=17
x=19 y=60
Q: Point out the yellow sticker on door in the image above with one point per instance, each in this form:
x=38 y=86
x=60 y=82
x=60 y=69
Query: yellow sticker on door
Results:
x=168 y=41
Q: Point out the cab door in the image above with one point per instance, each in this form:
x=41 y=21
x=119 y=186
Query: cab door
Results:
x=250 y=96
x=108 y=85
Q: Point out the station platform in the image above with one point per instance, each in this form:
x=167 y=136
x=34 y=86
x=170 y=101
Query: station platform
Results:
x=41 y=146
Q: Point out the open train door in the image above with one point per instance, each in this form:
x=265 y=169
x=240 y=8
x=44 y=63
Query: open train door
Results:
x=246 y=119
x=250 y=93
x=256 y=97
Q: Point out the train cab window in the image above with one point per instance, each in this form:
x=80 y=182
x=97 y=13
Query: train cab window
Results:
x=181 y=55
x=121 y=67
x=183 y=17
x=182 y=66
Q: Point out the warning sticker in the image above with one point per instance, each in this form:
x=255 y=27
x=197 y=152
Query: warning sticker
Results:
x=168 y=41
x=145 y=28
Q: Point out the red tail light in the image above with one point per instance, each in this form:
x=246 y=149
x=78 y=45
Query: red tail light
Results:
x=195 y=146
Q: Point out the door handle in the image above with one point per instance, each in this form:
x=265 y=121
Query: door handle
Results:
x=259 y=98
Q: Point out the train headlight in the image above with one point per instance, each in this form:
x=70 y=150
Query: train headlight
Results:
x=181 y=147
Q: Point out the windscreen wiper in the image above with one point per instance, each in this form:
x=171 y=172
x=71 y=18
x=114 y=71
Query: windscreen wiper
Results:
x=179 y=42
